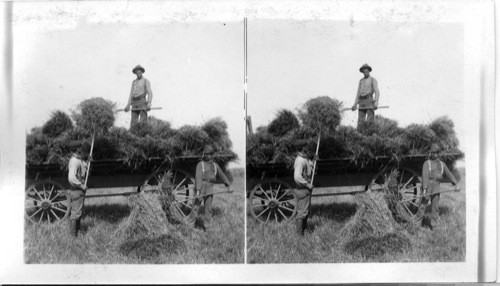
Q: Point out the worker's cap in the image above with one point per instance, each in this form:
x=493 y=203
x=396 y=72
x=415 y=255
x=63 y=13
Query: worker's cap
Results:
x=208 y=150
x=435 y=148
x=138 y=67
x=75 y=145
x=304 y=143
x=365 y=66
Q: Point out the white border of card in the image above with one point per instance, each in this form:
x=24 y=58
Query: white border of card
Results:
x=479 y=79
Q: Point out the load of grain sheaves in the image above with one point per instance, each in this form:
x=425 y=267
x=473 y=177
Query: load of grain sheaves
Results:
x=154 y=138
x=322 y=116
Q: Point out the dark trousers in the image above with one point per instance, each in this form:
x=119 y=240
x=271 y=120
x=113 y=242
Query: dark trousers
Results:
x=207 y=191
x=434 y=187
x=142 y=114
x=366 y=114
x=207 y=203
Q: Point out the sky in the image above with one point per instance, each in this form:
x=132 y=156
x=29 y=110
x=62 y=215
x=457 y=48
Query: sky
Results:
x=195 y=68
x=419 y=67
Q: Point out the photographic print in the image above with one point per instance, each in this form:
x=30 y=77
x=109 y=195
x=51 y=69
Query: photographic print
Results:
x=357 y=154
x=253 y=142
x=132 y=147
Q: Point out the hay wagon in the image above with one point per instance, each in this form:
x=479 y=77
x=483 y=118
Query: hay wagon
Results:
x=47 y=185
x=269 y=185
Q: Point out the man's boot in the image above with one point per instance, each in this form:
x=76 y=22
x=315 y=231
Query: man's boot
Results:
x=72 y=227
x=304 y=224
x=77 y=227
x=298 y=226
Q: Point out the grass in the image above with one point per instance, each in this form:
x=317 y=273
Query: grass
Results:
x=278 y=243
x=222 y=243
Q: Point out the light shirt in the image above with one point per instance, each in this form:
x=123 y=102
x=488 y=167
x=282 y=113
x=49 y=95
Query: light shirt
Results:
x=368 y=86
x=434 y=170
x=77 y=169
x=140 y=87
x=302 y=170
x=208 y=171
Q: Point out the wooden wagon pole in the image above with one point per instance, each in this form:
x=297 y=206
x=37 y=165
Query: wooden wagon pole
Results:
x=140 y=109
x=365 y=108
x=90 y=156
x=431 y=194
x=201 y=196
x=314 y=164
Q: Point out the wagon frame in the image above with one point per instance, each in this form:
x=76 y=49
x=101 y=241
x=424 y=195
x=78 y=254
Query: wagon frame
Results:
x=270 y=193
x=47 y=186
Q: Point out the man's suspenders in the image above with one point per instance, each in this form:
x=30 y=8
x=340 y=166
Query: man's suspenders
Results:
x=203 y=168
x=430 y=168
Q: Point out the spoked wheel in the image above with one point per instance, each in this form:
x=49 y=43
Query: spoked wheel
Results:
x=273 y=200
x=46 y=202
x=406 y=186
x=181 y=185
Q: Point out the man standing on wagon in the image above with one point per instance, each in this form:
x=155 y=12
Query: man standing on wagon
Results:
x=140 y=97
x=432 y=174
x=302 y=174
x=364 y=97
x=207 y=172
x=77 y=169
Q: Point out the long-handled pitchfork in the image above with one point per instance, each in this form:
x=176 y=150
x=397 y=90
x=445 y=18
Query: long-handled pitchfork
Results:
x=315 y=158
x=140 y=109
x=365 y=108
x=428 y=195
x=90 y=157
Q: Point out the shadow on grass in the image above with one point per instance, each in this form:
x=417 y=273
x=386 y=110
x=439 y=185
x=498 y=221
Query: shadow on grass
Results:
x=444 y=210
x=111 y=213
x=338 y=212
x=216 y=211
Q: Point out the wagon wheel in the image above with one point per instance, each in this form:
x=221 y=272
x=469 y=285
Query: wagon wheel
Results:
x=273 y=200
x=46 y=201
x=182 y=188
x=406 y=186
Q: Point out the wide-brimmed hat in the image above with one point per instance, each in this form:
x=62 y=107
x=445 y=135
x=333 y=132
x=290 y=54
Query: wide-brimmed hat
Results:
x=435 y=148
x=365 y=66
x=138 y=67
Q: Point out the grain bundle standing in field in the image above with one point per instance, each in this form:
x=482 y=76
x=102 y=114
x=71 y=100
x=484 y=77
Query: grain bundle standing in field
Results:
x=372 y=231
x=141 y=88
x=150 y=231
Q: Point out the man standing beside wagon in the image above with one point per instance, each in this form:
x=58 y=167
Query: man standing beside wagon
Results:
x=303 y=169
x=432 y=174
